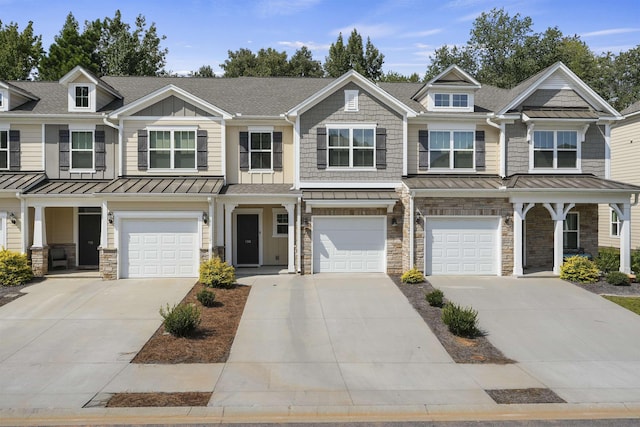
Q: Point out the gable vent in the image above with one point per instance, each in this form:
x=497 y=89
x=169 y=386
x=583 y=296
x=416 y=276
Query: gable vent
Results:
x=350 y=100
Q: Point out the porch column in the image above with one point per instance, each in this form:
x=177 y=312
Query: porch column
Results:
x=558 y=214
x=290 y=237
x=519 y=214
x=228 y=231
x=39 y=228
x=624 y=215
x=104 y=224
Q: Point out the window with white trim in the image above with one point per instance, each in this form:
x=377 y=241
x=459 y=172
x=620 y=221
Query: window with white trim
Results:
x=81 y=96
x=615 y=224
x=451 y=149
x=350 y=100
x=260 y=150
x=571 y=231
x=446 y=100
x=4 y=149
x=172 y=149
x=280 y=223
x=82 y=157
x=1 y=100
x=555 y=149
x=351 y=147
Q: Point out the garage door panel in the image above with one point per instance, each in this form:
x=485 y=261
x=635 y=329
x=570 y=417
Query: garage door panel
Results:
x=461 y=246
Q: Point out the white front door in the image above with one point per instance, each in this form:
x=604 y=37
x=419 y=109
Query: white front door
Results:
x=462 y=246
x=159 y=248
x=349 y=244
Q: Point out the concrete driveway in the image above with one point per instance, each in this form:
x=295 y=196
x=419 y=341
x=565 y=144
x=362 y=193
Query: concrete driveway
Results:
x=582 y=346
x=68 y=338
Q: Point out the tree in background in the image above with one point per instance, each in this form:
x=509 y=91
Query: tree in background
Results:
x=20 y=52
x=240 y=63
x=203 y=71
x=395 y=77
x=366 y=61
x=271 y=63
x=337 y=63
x=302 y=64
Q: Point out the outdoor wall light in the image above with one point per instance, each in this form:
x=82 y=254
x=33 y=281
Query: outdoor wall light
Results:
x=205 y=218
x=110 y=217
x=419 y=217
x=394 y=222
x=507 y=220
x=12 y=218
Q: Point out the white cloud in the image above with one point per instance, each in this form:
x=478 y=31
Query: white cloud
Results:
x=614 y=49
x=284 y=7
x=425 y=33
x=610 y=32
x=373 y=31
x=313 y=46
x=460 y=4
x=468 y=18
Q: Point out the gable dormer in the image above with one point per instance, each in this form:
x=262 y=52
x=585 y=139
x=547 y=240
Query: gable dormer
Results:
x=452 y=90
x=86 y=92
x=12 y=96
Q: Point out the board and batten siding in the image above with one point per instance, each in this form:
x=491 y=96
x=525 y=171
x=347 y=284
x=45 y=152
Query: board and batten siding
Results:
x=59 y=223
x=214 y=145
x=236 y=176
x=492 y=148
x=30 y=146
x=14 y=231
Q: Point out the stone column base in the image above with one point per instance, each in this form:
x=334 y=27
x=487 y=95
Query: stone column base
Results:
x=108 y=264
x=40 y=261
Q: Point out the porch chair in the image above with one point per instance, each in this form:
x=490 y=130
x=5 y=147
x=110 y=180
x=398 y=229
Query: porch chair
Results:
x=58 y=258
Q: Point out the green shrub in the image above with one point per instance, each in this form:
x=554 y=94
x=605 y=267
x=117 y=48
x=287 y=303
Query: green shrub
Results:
x=412 y=276
x=635 y=261
x=181 y=320
x=14 y=268
x=461 y=321
x=608 y=259
x=206 y=298
x=216 y=273
x=618 y=278
x=579 y=269
x=435 y=298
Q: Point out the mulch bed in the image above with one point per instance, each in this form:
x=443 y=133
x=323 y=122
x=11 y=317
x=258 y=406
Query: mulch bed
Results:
x=602 y=287
x=141 y=400
x=212 y=341
x=524 y=395
x=461 y=350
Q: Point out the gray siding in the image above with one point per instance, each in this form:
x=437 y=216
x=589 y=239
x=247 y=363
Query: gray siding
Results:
x=52 y=155
x=517 y=148
x=171 y=107
x=555 y=98
x=331 y=110
x=593 y=151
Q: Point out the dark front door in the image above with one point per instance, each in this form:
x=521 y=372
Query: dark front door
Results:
x=89 y=239
x=247 y=240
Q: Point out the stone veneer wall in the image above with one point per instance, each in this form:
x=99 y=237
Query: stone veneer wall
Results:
x=394 y=233
x=40 y=261
x=539 y=234
x=459 y=206
x=108 y=264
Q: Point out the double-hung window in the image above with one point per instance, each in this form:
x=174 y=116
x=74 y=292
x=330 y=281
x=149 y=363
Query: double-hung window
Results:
x=4 y=149
x=82 y=96
x=555 y=149
x=280 y=223
x=571 y=231
x=172 y=149
x=456 y=100
x=82 y=144
x=351 y=147
x=615 y=224
x=260 y=150
x=451 y=149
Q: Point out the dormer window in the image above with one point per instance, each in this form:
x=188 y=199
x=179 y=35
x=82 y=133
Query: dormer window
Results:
x=447 y=100
x=460 y=100
x=82 y=97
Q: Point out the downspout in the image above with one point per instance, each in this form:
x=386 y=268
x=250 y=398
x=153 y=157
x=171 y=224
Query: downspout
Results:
x=211 y=224
x=298 y=235
x=411 y=230
x=24 y=218
x=223 y=149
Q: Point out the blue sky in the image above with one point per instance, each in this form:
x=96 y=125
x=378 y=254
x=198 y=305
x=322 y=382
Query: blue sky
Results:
x=201 y=32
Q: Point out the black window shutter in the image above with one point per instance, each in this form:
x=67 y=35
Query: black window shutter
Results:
x=14 y=150
x=63 y=146
x=321 y=139
x=480 y=150
x=202 y=150
x=423 y=149
x=143 y=153
x=381 y=148
x=277 y=151
x=244 y=151
x=101 y=163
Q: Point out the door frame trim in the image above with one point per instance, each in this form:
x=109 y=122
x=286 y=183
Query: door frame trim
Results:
x=247 y=211
x=76 y=230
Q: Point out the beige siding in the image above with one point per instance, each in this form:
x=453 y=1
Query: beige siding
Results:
x=274 y=248
x=30 y=146
x=59 y=223
x=604 y=227
x=102 y=98
x=236 y=176
x=14 y=231
x=81 y=79
x=160 y=207
x=130 y=139
x=492 y=148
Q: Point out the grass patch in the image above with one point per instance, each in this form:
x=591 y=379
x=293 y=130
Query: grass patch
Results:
x=142 y=400
x=630 y=303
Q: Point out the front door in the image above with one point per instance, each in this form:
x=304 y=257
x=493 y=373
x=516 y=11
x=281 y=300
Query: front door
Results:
x=248 y=252
x=88 y=239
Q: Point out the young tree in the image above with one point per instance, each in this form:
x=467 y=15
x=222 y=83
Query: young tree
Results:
x=302 y=64
x=20 y=52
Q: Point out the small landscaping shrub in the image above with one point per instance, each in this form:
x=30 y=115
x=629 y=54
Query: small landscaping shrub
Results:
x=412 y=276
x=181 y=320
x=14 y=268
x=435 y=298
x=579 y=269
x=461 y=321
x=216 y=273
x=618 y=278
x=608 y=259
x=206 y=298
x=635 y=261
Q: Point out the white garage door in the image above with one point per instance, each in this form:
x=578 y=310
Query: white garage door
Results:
x=349 y=244
x=462 y=246
x=159 y=248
